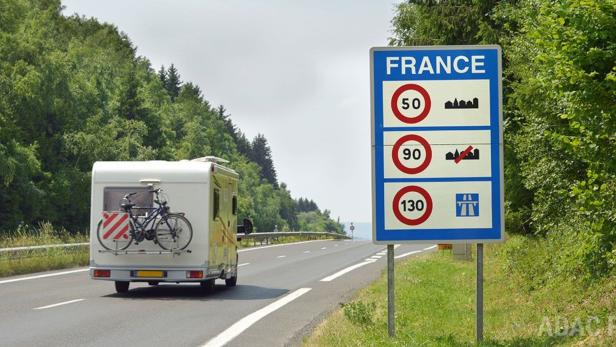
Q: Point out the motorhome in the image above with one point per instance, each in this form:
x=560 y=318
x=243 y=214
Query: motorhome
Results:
x=164 y=221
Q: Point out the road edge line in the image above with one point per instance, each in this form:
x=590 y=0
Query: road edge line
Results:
x=43 y=276
x=241 y=325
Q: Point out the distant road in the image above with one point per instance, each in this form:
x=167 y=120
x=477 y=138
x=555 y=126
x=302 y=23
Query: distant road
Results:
x=283 y=292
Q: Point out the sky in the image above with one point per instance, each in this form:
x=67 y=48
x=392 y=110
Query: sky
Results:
x=295 y=71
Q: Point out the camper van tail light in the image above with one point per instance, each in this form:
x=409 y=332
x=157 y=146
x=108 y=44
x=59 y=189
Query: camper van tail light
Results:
x=194 y=274
x=102 y=273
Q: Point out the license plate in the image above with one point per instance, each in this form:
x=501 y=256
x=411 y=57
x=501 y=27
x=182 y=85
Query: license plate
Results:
x=150 y=273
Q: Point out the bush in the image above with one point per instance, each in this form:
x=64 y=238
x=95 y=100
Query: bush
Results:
x=358 y=312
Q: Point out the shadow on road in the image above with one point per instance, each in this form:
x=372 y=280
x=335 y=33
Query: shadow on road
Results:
x=196 y=292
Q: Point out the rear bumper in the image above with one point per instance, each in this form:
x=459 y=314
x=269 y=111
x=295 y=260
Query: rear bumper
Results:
x=170 y=275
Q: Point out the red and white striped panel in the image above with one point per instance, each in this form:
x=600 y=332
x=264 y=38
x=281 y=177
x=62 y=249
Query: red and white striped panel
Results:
x=115 y=224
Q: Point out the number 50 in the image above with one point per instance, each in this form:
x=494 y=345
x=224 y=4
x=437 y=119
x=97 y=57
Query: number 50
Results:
x=415 y=103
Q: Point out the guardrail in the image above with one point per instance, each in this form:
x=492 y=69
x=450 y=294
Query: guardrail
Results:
x=267 y=237
x=271 y=236
x=31 y=248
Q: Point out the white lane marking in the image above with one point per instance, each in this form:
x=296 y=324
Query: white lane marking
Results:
x=233 y=331
x=396 y=246
x=406 y=254
x=323 y=247
x=348 y=269
x=306 y=251
x=376 y=256
x=281 y=256
x=43 y=276
x=429 y=248
x=382 y=253
x=278 y=245
x=58 y=304
x=243 y=264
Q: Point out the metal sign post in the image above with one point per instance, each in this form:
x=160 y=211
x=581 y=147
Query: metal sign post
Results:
x=391 y=322
x=479 y=301
x=437 y=151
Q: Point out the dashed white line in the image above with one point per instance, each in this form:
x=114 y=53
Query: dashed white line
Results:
x=43 y=276
x=323 y=247
x=233 y=331
x=281 y=256
x=242 y=264
x=429 y=248
x=306 y=251
x=58 y=304
x=376 y=256
x=348 y=269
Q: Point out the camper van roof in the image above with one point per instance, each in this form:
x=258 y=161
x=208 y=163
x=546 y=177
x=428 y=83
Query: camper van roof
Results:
x=155 y=171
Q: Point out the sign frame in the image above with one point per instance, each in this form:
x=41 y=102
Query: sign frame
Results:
x=496 y=178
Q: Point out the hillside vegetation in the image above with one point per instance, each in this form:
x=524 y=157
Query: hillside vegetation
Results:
x=74 y=91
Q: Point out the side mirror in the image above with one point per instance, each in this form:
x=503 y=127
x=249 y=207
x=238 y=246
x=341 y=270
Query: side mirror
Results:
x=246 y=227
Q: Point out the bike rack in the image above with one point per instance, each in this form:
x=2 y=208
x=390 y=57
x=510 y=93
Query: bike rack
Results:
x=143 y=251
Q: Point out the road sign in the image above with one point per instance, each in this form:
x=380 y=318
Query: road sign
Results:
x=437 y=149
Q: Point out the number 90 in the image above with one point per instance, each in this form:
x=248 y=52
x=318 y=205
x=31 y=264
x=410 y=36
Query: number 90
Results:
x=407 y=153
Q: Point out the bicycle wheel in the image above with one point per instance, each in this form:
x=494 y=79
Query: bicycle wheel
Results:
x=114 y=240
x=173 y=232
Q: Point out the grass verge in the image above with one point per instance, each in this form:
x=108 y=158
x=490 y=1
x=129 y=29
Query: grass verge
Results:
x=23 y=262
x=435 y=307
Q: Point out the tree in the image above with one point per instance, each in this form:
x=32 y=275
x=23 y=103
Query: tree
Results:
x=173 y=83
x=162 y=75
x=261 y=154
x=446 y=22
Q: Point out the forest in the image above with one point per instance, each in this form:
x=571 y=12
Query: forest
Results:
x=74 y=91
x=559 y=80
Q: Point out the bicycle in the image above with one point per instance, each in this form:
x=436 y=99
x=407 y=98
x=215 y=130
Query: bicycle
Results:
x=117 y=230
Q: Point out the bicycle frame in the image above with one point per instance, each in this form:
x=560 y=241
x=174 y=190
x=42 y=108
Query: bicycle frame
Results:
x=150 y=218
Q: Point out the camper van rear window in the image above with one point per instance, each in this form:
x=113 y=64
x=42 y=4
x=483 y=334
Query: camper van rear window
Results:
x=113 y=197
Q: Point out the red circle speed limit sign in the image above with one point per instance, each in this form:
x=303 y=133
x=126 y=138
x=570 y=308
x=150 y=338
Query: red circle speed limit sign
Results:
x=411 y=159
x=412 y=205
x=411 y=103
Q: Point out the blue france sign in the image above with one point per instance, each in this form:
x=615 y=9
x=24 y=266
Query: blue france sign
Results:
x=437 y=144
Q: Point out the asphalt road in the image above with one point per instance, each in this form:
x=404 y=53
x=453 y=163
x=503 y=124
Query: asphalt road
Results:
x=283 y=292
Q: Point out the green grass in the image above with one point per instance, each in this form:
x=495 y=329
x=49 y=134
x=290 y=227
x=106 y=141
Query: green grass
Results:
x=44 y=234
x=23 y=262
x=435 y=306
